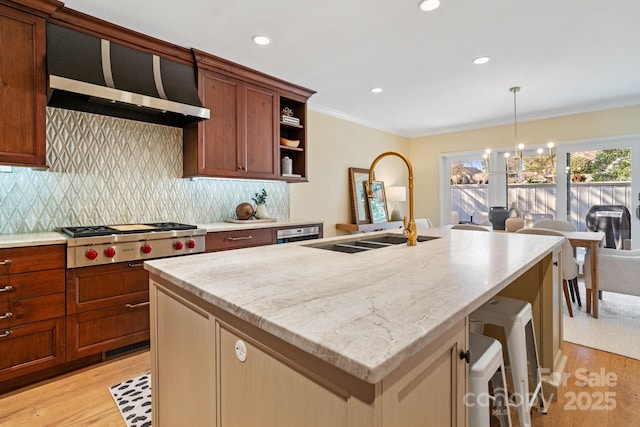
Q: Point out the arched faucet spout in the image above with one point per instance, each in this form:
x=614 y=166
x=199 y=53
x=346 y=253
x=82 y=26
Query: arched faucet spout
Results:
x=410 y=230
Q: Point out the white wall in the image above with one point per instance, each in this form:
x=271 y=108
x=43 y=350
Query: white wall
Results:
x=334 y=145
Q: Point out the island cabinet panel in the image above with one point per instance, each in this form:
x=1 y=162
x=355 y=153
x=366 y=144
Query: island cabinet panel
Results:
x=22 y=88
x=430 y=390
x=262 y=390
x=183 y=352
x=107 y=308
x=32 y=309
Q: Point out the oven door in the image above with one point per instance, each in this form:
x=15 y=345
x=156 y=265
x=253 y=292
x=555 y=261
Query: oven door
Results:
x=287 y=235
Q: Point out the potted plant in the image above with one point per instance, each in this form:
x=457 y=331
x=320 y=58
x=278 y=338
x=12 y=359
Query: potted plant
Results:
x=260 y=200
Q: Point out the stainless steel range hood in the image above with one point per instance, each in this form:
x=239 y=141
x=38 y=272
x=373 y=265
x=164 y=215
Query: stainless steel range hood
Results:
x=97 y=76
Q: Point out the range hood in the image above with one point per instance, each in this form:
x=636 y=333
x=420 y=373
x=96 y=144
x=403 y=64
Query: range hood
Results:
x=94 y=75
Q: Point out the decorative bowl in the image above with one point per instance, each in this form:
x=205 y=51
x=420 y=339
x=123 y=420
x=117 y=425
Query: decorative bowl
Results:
x=290 y=142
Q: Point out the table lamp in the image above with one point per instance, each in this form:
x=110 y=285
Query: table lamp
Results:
x=395 y=195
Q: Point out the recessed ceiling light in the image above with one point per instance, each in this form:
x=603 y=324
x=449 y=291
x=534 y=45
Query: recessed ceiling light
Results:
x=429 y=5
x=481 y=60
x=261 y=40
x=376 y=90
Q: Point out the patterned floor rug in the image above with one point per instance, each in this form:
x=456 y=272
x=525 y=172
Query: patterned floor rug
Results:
x=616 y=330
x=133 y=398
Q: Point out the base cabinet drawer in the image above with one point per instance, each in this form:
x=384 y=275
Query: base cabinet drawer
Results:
x=32 y=347
x=96 y=331
x=28 y=310
x=225 y=240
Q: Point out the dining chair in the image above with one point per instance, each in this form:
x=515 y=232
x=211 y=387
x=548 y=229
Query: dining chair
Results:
x=569 y=263
x=480 y=218
x=561 y=225
x=618 y=271
x=473 y=227
x=423 y=223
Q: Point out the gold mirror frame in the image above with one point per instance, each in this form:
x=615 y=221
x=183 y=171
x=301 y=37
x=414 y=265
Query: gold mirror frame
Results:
x=358 y=177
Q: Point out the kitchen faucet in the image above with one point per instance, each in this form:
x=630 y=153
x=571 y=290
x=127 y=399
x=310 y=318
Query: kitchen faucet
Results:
x=409 y=228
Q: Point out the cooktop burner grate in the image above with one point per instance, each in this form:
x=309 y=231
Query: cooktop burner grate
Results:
x=106 y=230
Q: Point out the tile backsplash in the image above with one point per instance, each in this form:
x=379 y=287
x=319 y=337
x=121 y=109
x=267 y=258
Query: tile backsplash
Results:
x=105 y=170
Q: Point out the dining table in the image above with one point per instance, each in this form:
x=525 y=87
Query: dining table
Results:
x=584 y=239
x=592 y=241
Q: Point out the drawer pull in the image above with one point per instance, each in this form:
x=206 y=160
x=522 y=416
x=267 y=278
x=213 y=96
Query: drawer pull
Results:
x=6 y=333
x=233 y=239
x=7 y=315
x=7 y=288
x=142 y=304
x=131 y=265
x=6 y=262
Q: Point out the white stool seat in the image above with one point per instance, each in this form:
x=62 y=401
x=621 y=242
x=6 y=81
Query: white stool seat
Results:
x=486 y=366
x=515 y=317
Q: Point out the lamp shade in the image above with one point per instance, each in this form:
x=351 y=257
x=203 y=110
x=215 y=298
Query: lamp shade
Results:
x=396 y=194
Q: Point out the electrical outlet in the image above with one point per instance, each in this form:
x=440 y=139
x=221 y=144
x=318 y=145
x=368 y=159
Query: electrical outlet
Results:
x=5 y=169
x=241 y=351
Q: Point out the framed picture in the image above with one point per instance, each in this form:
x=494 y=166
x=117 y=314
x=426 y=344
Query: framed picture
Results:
x=359 y=204
x=378 y=203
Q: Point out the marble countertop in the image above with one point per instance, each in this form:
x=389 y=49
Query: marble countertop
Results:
x=366 y=312
x=31 y=239
x=251 y=224
x=54 y=238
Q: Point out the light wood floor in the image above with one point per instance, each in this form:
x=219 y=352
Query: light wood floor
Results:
x=82 y=398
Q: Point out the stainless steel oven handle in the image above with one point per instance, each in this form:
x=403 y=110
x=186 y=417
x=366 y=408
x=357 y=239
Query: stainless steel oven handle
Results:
x=233 y=239
x=6 y=262
x=7 y=288
x=141 y=304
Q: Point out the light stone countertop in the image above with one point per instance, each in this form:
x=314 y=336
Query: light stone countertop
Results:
x=31 y=239
x=367 y=312
x=251 y=224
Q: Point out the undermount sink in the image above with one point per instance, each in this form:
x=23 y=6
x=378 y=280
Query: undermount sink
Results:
x=363 y=244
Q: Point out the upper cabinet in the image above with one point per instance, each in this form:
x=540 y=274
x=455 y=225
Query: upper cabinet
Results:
x=247 y=135
x=238 y=139
x=22 y=88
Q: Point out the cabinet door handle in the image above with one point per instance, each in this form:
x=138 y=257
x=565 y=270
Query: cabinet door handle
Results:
x=466 y=355
x=7 y=288
x=6 y=333
x=7 y=315
x=141 y=304
x=131 y=265
x=233 y=239
x=6 y=262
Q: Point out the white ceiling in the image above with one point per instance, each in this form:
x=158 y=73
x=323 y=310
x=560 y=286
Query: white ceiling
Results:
x=568 y=56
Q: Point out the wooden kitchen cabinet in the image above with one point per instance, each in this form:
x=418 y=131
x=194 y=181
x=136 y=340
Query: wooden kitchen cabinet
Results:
x=239 y=139
x=242 y=137
x=294 y=132
x=32 y=309
x=225 y=240
x=107 y=308
x=22 y=88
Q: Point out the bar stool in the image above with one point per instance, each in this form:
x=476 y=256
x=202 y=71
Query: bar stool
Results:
x=486 y=365
x=515 y=317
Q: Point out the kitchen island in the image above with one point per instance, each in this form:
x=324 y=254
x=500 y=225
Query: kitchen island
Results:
x=296 y=335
